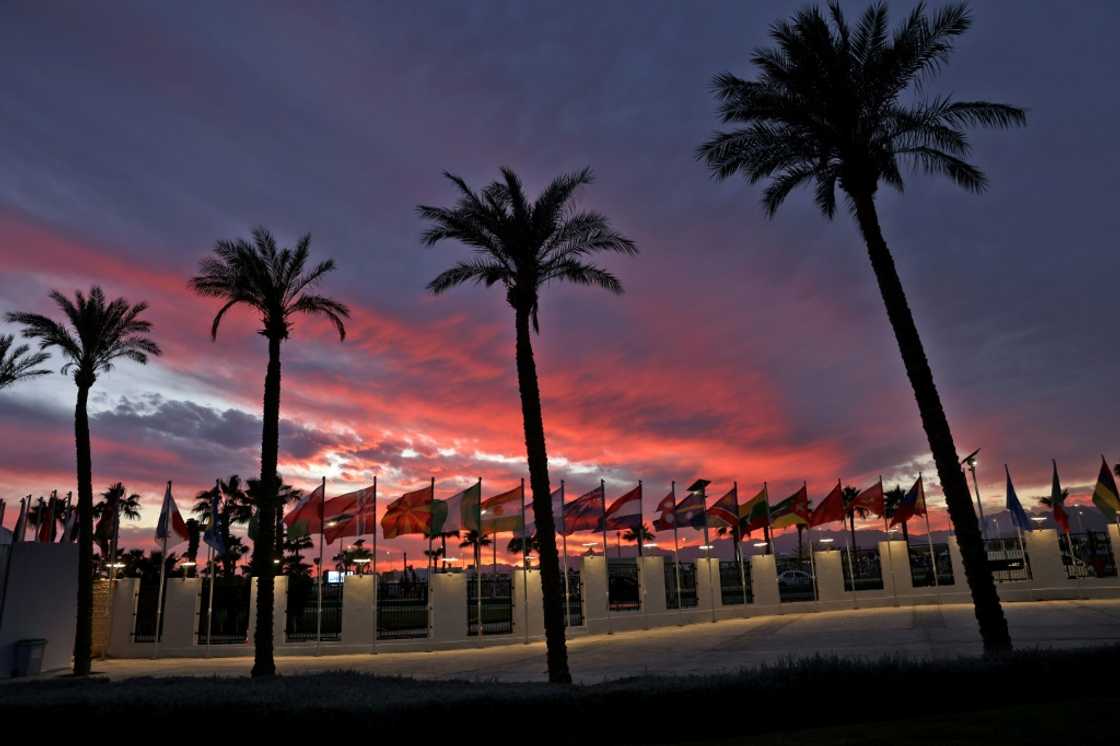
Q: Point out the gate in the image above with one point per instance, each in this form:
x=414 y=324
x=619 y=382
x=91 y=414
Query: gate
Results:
x=687 y=598
x=144 y=621
x=1007 y=560
x=795 y=578
x=733 y=583
x=497 y=604
x=231 y=611
x=303 y=619
x=402 y=609
x=866 y=566
x=921 y=572
x=623 y=586
x=575 y=599
x=1091 y=556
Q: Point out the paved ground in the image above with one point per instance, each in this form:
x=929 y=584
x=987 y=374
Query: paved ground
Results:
x=919 y=631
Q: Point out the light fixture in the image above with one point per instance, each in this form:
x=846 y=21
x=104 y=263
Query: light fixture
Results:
x=649 y=546
x=1038 y=518
x=276 y=562
x=117 y=565
x=188 y=563
x=361 y=561
x=705 y=547
x=591 y=543
x=826 y=541
x=760 y=544
x=450 y=559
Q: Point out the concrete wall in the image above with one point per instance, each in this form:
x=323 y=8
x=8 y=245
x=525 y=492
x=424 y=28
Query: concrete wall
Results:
x=528 y=606
x=447 y=604
x=359 y=618
x=40 y=602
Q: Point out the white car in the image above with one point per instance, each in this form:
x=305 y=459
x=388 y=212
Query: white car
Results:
x=794 y=578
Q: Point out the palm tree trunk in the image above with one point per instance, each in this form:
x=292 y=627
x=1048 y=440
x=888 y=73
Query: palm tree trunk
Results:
x=989 y=613
x=263 y=569
x=83 y=632
x=551 y=583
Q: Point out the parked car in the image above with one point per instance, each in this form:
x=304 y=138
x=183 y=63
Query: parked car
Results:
x=794 y=579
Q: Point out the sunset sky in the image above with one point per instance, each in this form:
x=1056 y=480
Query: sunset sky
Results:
x=136 y=135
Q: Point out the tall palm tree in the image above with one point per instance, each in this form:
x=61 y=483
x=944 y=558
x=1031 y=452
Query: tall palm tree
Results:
x=276 y=283
x=639 y=536
x=114 y=499
x=848 y=495
x=96 y=334
x=847 y=107
x=16 y=364
x=236 y=509
x=285 y=494
x=523 y=246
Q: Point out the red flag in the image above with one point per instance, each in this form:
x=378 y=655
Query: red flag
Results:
x=585 y=513
x=870 y=499
x=830 y=509
x=342 y=514
x=410 y=513
x=625 y=512
x=914 y=503
x=667 y=519
x=725 y=510
x=45 y=533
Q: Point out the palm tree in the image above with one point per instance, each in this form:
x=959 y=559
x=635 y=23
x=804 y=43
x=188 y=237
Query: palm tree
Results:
x=16 y=364
x=96 y=334
x=848 y=495
x=847 y=107
x=276 y=283
x=285 y=494
x=639 y=535
x=476 y=541
x=236 y=509
x=194 y=533
x=523 y=246
x=891 y=500
x=114 y=499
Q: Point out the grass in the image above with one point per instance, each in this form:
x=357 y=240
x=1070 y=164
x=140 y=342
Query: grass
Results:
x=1027 y=697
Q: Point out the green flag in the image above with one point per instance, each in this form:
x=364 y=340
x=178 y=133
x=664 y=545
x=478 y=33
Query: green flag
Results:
x=458 y=512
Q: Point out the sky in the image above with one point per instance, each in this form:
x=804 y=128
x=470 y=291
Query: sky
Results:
x=135 y=135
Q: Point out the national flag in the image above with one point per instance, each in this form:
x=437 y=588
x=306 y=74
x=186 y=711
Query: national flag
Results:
x=1105 y=496
x=557 y=502
x=585 y=513
x=692 y=510
x=70 y=525
x=625 y=512
x=214 y=536
x=1056 y=501
x=755 y=513
x=830 y=509
x=725 y=511
x=411 y=513
x=460 y=512
x=20 y=530
x=342 y=514
x=668 y=517
x=306 y=517
x=504 y=512
x=871 y=499
x=792 y=511
x=1014 y=507
x=45 y=534
x=912 y=503
x=170 y=522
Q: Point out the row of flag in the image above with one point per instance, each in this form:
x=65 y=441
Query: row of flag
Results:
x=54 y=519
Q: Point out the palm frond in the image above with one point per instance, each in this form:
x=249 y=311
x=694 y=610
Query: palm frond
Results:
x=477 y=271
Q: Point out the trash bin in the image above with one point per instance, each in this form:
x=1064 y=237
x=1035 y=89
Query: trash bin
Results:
x=29 y=657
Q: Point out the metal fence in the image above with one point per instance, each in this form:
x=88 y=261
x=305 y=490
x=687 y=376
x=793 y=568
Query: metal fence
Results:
x=1091 y=557
x=623 y=587
x=865 y=565
x=303 y=618
x=575 y=599
x=686 y=599
x=921 y=569
x=795 y=578
x=497 y=604
x=231 y=611
x=734 y=582
x=144 y=619
x=1007 y=559
x=402 y=609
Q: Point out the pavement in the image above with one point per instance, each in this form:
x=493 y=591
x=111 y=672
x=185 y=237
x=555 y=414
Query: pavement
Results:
x=912 y=631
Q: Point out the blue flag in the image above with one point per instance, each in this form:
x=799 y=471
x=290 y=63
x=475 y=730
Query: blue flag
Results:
x=1014 y=507
x=213 y=535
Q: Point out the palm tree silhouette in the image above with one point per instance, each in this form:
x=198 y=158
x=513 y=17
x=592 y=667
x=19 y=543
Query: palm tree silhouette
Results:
x=16 y=364
x=522 y=246
x=95 y=336
x=848 y=496
x=126 y=506
x=236 y=509
x=285 y=493
x=833 y=106
x=275 y=283
x=891 y=500
x=639 y=535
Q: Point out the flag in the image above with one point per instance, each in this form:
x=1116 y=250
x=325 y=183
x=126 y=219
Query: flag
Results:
x=625 y=512
x=1104 y=494
x=170 y=522
x=20 y=530
x=912 y=503
x=830 y=509
x=792 y=511
x=1014 y=507
x=341 y=514
x=460 y=512
x=668 y=517
x=503 y=512
x=1056 y=500
x=411 y=513
x=870 y=499
x=725 y=511
x=70 y=525
x=585 y=513
x=214 y=535
x=304 y=518
x=557 y=502
x=691 y=511
x=45 y=533
x=755 y=513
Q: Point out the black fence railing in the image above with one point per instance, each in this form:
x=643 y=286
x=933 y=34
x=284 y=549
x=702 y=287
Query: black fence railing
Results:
x=1091 y=557
x=575 y=599
x=687 y=597
x=496 y=603
x=402 y=609
x=921 y=568
x=623 y=587
x=795 y=578
x=147 y=599
x=1007 y=559
x=230 y=623
x=865 y=565
x=734 y=582
x=303 y=617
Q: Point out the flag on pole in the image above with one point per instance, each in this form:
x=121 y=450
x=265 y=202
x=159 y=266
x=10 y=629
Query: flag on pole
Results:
x=557 y=502
x=459 y=512
x=585 y=513
x=1014 y=507
x=1104 y=494
x=341 y=514
x=503 y=512
x=170 y=522
x=303 y=519
x=792 y=511
x=755 y=513
x=45 y=534
x=724 y=510
x=626 y=512
x=214 y=536
x=70 y=525
x=692 y=510
x=912 y=503
x=411 y=513
x=667 y=514
x=1056 y=501
x=20 y=530
x=871 y=499
x=830 y=509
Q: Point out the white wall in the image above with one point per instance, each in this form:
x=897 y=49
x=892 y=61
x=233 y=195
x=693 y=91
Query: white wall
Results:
x=41 y=602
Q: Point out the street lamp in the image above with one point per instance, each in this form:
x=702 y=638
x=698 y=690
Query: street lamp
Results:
x=970 y=461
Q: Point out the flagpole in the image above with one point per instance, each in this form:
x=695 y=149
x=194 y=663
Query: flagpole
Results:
x=708 y=554
x=376 y=578
x=525 y=559
x=676 y=553
x=737 y=537
x=478 y=564
x=606 y=551
x=162 y=573
x=641 y=565
x=890 y=555
x=112 y=570
x=851 y=548
x=210 y=554
x=319 y=602
x=812 y=559
x=929 y=540
x=564 y=542
x=766 y=528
